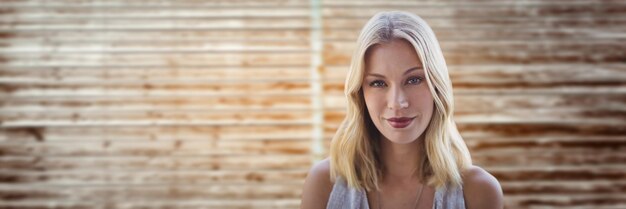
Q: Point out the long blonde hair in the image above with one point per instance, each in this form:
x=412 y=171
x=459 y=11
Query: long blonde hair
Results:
x=354 y=150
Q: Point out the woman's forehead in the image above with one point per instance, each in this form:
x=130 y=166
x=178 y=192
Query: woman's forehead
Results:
x=398 y=55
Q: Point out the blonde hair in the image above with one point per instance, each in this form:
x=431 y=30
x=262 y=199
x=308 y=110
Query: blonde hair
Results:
x=354 y=152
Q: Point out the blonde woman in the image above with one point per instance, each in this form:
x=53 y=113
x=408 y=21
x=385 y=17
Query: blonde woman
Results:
x=398 y=146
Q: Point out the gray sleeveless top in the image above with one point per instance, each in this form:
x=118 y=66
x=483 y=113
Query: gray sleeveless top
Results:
x=343 y=196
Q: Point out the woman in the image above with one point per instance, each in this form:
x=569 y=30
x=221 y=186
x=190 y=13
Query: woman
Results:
x=398 y=146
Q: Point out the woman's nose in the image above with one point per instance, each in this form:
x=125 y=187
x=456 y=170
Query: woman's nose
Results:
x=397 y=99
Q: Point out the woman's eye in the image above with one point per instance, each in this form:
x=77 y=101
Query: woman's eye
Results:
x=377 y=83
x=414 y=80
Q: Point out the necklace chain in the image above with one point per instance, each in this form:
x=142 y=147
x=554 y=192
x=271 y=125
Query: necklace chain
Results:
x=414 y=206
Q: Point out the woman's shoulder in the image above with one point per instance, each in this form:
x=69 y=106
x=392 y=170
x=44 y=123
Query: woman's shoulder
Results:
x=320 y=171
x=317 y=186
x=481 y=189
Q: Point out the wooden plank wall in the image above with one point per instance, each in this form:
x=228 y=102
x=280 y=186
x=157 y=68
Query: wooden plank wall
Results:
x=155 y=104
x=211 y=104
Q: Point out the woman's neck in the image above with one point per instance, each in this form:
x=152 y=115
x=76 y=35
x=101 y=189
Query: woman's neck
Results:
x=400 y=161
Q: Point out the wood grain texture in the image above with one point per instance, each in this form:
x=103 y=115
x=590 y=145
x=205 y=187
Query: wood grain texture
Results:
x=210 y=104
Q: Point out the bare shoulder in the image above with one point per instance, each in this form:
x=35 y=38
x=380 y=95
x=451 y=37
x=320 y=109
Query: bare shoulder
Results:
x=317 y=186
x=481 y=189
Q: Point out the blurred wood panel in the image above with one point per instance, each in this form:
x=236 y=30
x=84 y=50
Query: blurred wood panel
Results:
x=159 y=3
x=193 y=104
x=209 y=104
x=130 y=193
x=150 y=36
x=160 y=148
x=172 y=59
x=128 y=162
x=146 y=177
x=156 y=133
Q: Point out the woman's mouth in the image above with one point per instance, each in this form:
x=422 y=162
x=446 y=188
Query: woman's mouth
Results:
x=400 y=122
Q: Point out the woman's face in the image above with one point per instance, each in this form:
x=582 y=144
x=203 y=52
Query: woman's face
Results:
x=396 y=92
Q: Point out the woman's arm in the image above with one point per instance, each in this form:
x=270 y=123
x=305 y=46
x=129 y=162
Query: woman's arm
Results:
x=317 y=186
x=481 y=190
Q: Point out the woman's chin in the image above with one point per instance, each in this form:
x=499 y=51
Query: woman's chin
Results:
x=401 y=139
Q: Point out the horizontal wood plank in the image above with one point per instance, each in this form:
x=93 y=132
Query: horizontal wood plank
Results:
x=188 y=162
x=269 y=176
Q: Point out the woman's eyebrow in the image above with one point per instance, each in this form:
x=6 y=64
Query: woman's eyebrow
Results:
x=412 y=69
x=405 y=72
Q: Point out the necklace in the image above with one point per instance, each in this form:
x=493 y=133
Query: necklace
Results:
x=414 y=206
